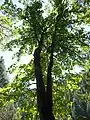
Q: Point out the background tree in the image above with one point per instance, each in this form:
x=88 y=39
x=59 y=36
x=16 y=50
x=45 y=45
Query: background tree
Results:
x=7 y=112
x=81 y=104
x=3 y=74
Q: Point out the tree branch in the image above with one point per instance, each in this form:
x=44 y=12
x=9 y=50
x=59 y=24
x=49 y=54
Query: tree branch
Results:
x=49 y=70
x=38 y=74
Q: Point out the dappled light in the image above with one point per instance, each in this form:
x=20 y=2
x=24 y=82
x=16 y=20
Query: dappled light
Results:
x=45 y=60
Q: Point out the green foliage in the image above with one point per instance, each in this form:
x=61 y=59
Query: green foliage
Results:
x=70 y=50
x=81 y=102
x=9 y=112
x=3 y=75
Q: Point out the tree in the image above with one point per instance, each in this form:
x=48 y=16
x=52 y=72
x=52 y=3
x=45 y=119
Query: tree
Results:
x=81 y=104
x=58 y=42
x=6 y=112
x=3 y=75
x=9 y=112
x=5 y=24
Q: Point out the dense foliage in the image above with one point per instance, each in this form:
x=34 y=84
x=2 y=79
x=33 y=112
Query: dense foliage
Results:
x=61 y=40
x=3 y=73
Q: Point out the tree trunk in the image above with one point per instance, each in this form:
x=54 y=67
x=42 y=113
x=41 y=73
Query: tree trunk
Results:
x=45 y=110
x=44 y=98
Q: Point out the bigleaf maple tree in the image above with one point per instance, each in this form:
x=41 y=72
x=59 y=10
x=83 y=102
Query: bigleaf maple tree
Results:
x=57 y=42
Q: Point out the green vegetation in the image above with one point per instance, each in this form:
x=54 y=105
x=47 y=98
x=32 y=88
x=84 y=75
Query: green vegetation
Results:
x=46 y=88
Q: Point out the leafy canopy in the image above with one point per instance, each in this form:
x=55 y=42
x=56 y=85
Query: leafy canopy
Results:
x=70 y=50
